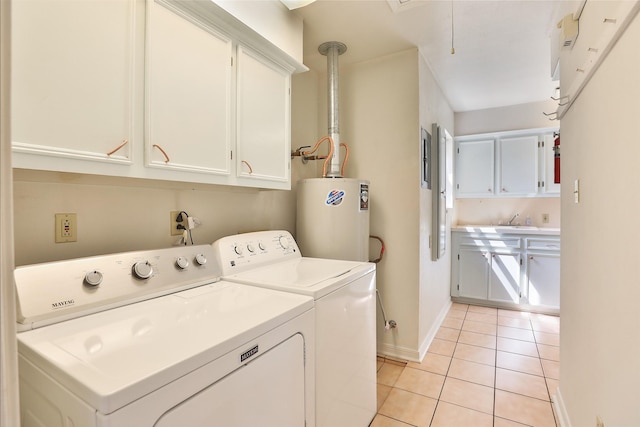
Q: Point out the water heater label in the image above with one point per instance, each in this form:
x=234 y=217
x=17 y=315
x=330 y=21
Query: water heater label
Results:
x=334 y=198
x=364 y=197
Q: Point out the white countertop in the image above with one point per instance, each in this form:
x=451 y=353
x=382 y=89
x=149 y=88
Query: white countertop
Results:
x=507 y=229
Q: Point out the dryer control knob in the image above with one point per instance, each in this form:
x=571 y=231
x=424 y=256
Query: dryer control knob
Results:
x=251 y=248
x=284 y=242
x=142 y=269
x=238 y=249
x=93 y=278
x=182 y=262
x=262 y=246
x=201 y=259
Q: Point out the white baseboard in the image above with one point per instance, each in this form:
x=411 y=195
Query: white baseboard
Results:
x=561 y=410
x=426 y=342
x=411 y=354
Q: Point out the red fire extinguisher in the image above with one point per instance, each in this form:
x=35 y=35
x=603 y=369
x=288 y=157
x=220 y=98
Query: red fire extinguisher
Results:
x=556 y=159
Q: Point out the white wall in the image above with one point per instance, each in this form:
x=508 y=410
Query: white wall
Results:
x=513 y=117
x=434 y=277
x=9 y=410
x=599 y=345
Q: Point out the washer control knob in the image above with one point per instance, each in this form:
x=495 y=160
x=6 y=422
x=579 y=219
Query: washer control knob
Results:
x=284 y=242
x=262 y=246
x=238 y=249
x=182 y=262
x=201 y=259
x=251 y=248
x=142 y=269
x=93 y=278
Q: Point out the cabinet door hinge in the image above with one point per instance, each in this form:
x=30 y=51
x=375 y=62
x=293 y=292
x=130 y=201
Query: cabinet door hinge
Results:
x=458 y=257
x=231 y=154
x=232 y=61
x=520 y=261
x=458 y=286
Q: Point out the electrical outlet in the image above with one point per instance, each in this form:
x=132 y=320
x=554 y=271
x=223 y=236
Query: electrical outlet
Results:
x=545 y=218
x=66 y=227
x=175 y=231
x=599 y=422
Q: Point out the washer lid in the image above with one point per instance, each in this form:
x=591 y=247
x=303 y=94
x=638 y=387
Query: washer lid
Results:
x=114 y=357
x=309 y=276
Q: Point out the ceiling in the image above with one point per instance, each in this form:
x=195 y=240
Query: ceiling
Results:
x=502 y=47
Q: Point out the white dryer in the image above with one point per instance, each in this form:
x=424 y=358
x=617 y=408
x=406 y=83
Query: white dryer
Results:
x=154 y=338
x=344 y=294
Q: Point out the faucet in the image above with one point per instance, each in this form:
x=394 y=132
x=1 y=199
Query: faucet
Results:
x=510 y=222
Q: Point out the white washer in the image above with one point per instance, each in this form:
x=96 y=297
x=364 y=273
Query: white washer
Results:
x=154 y=338
x=345 y=316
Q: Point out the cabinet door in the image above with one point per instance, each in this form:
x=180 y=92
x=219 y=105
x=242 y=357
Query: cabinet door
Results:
x=263 y=118
x=188 y=94
x=473 y=273
x=518 y=173
x=504 y=280
x=544 y=280
x=72 y=81
x=475 y=168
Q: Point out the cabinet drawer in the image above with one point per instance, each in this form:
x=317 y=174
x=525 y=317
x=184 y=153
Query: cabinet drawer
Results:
x=543 y=244
x=490 y=243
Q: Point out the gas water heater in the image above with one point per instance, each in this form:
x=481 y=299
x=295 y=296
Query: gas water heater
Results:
x=333 y=218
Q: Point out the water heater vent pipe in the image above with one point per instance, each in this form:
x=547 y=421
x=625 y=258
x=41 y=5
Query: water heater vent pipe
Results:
x=332 y=50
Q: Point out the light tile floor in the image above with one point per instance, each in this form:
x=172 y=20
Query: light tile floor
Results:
x=485 y=367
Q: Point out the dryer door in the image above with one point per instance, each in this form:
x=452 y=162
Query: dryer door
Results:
x=269 y=391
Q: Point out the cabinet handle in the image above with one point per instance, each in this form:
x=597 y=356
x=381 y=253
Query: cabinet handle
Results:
x=124 y=142
x=531 y=257
x=489 y=190
x=504 y=190
x=164 y=153
x=248 y=165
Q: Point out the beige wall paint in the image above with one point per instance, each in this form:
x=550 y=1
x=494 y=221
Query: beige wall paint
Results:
x=599 y=347
x=490 y=211
x=379 y=121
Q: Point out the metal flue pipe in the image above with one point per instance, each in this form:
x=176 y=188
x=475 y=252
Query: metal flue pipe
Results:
x=332 y=50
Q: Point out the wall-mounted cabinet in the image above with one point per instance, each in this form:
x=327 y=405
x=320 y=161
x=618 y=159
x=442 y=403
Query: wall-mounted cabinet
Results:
x=511 y=269
x=188 y=97
x=170 y=90
x=74 y=84
x=505 y=164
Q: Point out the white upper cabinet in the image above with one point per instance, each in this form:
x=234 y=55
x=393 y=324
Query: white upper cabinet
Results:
x=192 y=94
x=518 y=173
x=263 y=118
x=505 y=164
x=73 y=84
x=188 y=97
x=475 y=168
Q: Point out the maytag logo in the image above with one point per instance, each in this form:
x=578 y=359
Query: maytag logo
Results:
x=62 y=304
x=249 y=353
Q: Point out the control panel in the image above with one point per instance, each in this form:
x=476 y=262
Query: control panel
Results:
x=240 y=252
x=57 y=291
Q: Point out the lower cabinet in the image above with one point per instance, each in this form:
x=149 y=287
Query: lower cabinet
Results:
x=488 y=275
x=510 y=271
